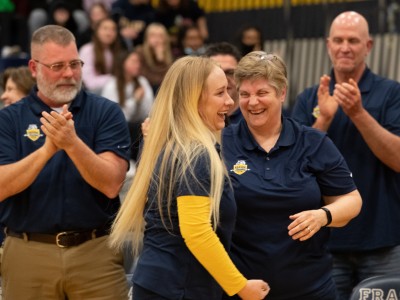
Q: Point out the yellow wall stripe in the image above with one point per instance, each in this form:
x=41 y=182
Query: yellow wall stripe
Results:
x=237 y=5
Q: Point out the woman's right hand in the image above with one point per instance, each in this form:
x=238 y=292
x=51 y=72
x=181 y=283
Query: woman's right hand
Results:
x=138 y=94
x=254 y=289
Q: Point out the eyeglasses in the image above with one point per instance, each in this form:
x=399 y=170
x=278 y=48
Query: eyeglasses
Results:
x=58 y=67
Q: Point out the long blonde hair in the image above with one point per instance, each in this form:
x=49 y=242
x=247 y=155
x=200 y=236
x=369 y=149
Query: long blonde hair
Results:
x=177 y=136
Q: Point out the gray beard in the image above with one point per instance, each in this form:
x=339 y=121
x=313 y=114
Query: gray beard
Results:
x=56 y=95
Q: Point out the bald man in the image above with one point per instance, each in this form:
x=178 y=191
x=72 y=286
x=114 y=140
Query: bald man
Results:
x=360 y=111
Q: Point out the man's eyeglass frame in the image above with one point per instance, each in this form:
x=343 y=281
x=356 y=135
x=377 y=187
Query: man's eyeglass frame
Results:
x=58 y=67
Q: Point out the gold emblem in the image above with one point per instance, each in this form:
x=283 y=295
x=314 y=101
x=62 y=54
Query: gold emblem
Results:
x=316 y=112
x=240 y=167
x=33 y=133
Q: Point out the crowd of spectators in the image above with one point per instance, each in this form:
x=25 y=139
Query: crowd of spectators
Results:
x=178 y=28
x=128 y=46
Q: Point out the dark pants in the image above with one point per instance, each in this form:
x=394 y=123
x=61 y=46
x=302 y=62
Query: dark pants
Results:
x=139 y=293
x=351 y=268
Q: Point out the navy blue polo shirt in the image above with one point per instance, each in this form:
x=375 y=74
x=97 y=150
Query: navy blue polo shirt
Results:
x=166 y=266
x=235 y=117
x=377 y=224
x=269 y=187
x=59 y=199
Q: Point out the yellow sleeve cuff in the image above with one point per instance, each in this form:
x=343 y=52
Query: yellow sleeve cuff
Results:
x=203 y=242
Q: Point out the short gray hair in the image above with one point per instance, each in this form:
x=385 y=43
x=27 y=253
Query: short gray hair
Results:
x=261 y=65
x=52 y=33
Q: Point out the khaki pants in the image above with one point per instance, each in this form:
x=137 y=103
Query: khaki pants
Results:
x=32 y=271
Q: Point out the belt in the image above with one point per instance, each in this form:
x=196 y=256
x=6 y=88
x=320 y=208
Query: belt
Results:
x=62 y=239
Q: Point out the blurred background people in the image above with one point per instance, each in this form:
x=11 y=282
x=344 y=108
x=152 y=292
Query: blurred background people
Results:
x=249 y=39
x=87 y=4
x=175 y=14
x=190 y=41
x=133 y=93
x=13 y=32
x=99 y=55
x=66 y=13
x=155 y=54
x=96 y=12
x=16 y=84
x=132 y=17
x=60 y=13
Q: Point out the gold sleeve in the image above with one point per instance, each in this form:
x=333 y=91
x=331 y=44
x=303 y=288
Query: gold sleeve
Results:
x=203 y=242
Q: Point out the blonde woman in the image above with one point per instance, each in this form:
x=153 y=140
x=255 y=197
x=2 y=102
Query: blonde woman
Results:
x=180 y=211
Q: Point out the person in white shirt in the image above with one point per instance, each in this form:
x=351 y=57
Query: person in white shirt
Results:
x=133 y=92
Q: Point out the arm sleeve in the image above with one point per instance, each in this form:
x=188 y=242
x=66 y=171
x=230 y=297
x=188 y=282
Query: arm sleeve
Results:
x=333 y=175
x=203 y=242
x=304 y=105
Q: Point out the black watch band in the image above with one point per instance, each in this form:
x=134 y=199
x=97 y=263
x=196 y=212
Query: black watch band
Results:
x=328 y=215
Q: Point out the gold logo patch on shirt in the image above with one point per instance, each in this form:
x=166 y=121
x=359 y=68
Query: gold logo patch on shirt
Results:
x=240 y=167
x=316 y=112
x=33 y=132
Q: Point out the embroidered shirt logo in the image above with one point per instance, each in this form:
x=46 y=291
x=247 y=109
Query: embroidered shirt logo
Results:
x=33 y=132
x=240 y=167
x=316 y=112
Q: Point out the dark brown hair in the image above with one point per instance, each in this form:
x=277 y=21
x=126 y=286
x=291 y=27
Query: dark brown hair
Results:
x=99 y=58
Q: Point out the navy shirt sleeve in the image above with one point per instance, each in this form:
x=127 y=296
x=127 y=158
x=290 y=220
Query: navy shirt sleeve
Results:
x=332 y=173
x=197 y=179
x=304 y=106
x=111 y=131
x=8 y=149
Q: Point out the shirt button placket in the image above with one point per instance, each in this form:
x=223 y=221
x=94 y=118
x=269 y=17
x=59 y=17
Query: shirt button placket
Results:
x=267 y=171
